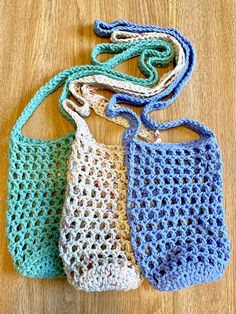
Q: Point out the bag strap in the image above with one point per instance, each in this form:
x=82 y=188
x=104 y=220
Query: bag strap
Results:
x=87 y=95
x=129 y=87
x=149 y=54
x=176 y=86
x=112 y=110
x=50 y=87
x=147 y=59
x=78 y=71
x=76 y=113
x=104 y=29
x=161 y=49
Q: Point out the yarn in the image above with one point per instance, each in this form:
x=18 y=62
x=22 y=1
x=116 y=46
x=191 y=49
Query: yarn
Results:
x=174 y=205
x=94 y=238
x=84 y=93
x=130 y=87
x=173 y=87
x=179 y=60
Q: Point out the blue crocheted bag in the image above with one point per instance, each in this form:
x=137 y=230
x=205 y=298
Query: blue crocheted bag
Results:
x=174 y=207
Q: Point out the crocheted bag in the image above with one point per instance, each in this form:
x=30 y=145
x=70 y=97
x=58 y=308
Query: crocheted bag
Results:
x=36 y=186
x=94 y=238
x=175 y=210
x=37 y=174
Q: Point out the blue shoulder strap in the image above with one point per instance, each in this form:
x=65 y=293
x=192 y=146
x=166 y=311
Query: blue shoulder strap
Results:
x=135 y=122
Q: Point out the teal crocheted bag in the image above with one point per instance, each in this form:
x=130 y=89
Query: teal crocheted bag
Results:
x=37 y=174
x=36 y=184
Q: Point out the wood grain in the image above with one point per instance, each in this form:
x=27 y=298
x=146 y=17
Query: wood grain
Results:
x=41 y=38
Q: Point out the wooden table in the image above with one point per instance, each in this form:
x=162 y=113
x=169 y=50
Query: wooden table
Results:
x=41 y=38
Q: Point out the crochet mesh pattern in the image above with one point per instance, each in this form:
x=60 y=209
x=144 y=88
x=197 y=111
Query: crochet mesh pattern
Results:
x=174 y=206
x=94 y=240
x=175 y=211
x=37 y=183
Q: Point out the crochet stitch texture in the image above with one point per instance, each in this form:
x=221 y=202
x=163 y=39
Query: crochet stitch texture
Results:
x=94 y=237
x=175 y=209
x=151 y=54
x=37 y=183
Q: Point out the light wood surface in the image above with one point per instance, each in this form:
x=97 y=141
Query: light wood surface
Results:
x=41 y=38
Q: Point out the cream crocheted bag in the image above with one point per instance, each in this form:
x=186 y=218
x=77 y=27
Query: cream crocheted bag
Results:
x=94 y=237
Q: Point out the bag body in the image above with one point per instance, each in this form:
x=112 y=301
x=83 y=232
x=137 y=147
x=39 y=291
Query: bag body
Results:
x=94 y=237
x=37 y=182
x=175 y=212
